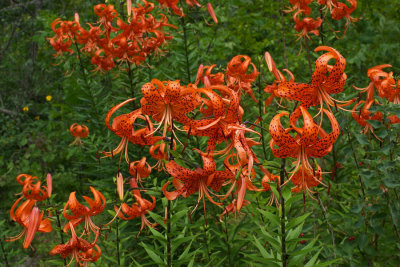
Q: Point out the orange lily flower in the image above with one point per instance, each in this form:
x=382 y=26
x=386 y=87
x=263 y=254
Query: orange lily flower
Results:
x=124 y=126
x=81 y=213
x=81 y=250
x=300 y=5
x=31 y=219
x=244 y=181
x=311 y=139
x=138 y=209
x=159 y=152
x=78 y=131
x=238 y=78
x=219 y=115
x=341 y=10
x=364 y=114
x=330 y=4
x=304 y=178
x=200 y=180
x=32 y=189
x=306 y=25
x=167 y=102
x=380 y=80
x=204 y=75
x=139 y=169
x=326 y=80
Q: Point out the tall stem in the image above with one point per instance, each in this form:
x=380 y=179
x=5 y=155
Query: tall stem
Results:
x=357 y=166
x=91 y=96
x=117 y=230
x=169 y=254
x=60 y=231
x=283 y=34
x=186 y=49
x=260 y=111
x=282 y=206
x=308 y=55
x=131 y=84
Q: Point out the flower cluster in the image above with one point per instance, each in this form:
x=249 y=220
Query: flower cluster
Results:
x=387 y=88
x=111 y=39
x=81 y=250
x=167 y=107
x=306 y=25
x=310 y=140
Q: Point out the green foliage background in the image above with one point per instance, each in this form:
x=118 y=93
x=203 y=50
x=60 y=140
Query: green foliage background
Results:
x=37 y=141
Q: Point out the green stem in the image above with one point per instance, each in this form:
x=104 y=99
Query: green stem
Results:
x=308 y=55
x=60 y=231
x=118 y=254
x=131 y=84
x=283 y=33
x=260 y=110
x=186 y=48
x=282 y=206
x=91 y=96
x=169 y=254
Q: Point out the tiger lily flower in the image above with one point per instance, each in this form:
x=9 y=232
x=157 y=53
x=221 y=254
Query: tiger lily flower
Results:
x=28 y=216
x=139 y=169
x=159 y=152
x=378 y=78
x=241 y=145
x=304 y=179
x=81 y=250
x=362 y=116
x=326 y=80
x=167 y=102
x=300 y=5
x=207 y=78
x=341 y=10
x=81 y=213
x=138 y=209
x=32 y=188
x=124 y=127
x=200 y=180
x=79 y=132
x=311 y=140
x=237 y=75
x=219 y=115
x=306 y=25
x=243 y=181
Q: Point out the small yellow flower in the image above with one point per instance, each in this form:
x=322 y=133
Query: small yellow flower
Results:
x=49 y=98
x=37 y=118
x=25 y=109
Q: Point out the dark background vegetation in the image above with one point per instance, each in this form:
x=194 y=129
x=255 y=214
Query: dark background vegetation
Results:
x=363 y=224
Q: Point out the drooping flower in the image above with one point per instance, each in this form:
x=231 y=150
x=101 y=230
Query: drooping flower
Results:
x=138 y=209
x=79 y=132
x=81 y=213
x=28 y=216
x=78 y=248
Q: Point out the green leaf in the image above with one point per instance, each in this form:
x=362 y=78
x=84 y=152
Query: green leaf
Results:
x=153 y=255
x=294 y=222
x=262 y=250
